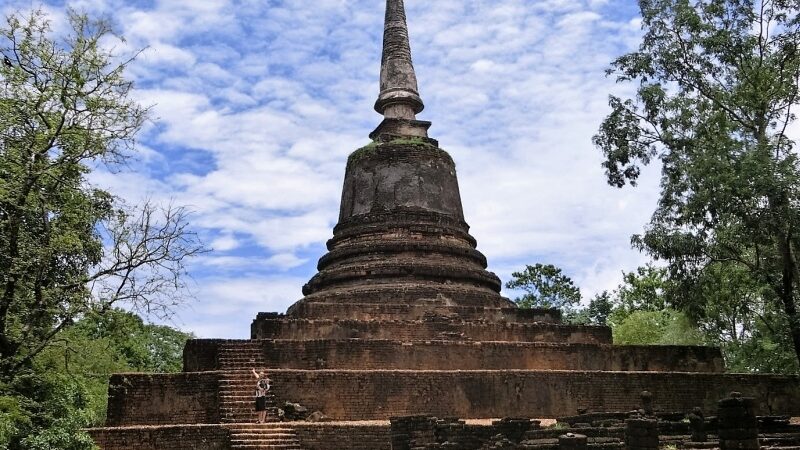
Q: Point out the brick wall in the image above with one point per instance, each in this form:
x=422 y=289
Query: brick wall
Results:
x=416 y=311
x=141 y=399
x=200 y=355
x=299 y=329
x=184 y=437
x=343 y=436
x=379 y=395
x=367 y=395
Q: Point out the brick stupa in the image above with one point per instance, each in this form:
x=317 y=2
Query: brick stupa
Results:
x=403 y=318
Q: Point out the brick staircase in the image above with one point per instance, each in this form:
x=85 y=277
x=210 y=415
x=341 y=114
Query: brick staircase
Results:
x=237 y=399
x=263 y=437
x=236 y=355
x=780 y=441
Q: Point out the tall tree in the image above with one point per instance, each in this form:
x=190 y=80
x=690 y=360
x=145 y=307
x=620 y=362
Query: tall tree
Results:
x=717 y=84
x=600 y=308
x=66 y=248
x=545 y=286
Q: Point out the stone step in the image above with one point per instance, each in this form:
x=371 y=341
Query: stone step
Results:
x=248 y=428
x=263 y=436
x=770 y=441
x=243 y=395
x=711 y=444
x=260 y=446
x=251 y=359
x=257 y=358
x=266 y=445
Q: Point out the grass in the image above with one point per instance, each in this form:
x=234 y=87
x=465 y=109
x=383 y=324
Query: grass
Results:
x=369 y=148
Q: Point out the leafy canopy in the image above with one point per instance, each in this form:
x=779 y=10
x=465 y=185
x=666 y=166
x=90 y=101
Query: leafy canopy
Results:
x=545 y=286
x=66 y=248
x=71 y=253
x=717 y=83
x=68 y=388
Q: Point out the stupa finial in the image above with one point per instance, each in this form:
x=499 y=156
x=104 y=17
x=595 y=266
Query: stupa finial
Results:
x=399 y=97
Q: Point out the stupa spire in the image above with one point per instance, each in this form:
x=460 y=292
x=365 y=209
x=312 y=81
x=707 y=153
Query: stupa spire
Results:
x=399 y=98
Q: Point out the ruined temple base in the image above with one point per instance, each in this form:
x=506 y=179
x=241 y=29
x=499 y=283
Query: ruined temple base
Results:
x=376 y=435
x=361 y=435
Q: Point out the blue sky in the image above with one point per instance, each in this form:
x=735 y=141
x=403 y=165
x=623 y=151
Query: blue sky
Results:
x=258 y=103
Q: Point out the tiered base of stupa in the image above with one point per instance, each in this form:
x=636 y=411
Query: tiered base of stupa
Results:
x=403 y=319
x=380 y=362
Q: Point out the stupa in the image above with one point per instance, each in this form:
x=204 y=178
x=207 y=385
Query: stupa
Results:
x=403 y=318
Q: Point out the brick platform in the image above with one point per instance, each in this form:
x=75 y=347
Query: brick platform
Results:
x=359 y=354
x=404 y=318
x=376 y=394
x=434 y=329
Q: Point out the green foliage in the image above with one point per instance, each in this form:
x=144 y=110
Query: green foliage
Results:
x=70 y=253
x=368 y=149
x=600 y=308
x=46 y=412
x=665 y=327
x=113 y=342
x=760 y=354
x=67 y=387
x=13 y=418
x=545 y=286
x=717 y=81
x=66 y=248
x=142 y=347
x=722 y=310
x=646 y=289
x=364 y=151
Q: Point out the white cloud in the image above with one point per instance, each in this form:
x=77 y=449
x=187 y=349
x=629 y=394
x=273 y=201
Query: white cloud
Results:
x=226 y=306
x=259 y=103
x=285 y=261
x=224 y=243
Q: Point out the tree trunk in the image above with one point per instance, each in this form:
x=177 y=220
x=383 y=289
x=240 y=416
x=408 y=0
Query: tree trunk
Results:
x=787 y=292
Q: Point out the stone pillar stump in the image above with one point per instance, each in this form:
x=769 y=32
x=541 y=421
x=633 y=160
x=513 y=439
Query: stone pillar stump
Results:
x=738 y=425
x=641 y=434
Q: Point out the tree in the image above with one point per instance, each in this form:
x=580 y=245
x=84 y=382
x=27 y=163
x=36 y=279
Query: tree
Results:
x=722 y=308
x=68 y=388
x=664 y=327
x=717 y=84
x=600 y=308
x=731 y=308
x=647 y=288
x=66 y=248
x=545 y=286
